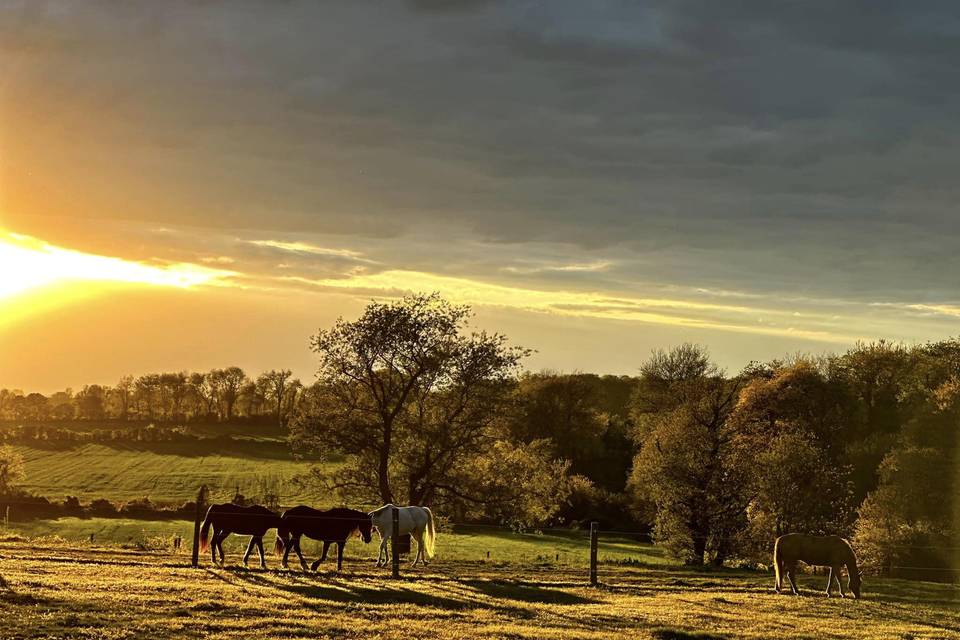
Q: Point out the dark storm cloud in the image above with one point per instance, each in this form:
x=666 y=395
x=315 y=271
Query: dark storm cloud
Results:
x=800 y=147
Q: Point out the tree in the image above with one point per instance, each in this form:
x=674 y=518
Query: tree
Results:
x=908 y=519
x=276 y=385
x=90 y=402
x=121 y=396
x=684 y=468
x=226 y=385
x=176 y=388
x=11 y=469
x=788 y=428
x=574 y=414
x=407 y=396
x=202 y=393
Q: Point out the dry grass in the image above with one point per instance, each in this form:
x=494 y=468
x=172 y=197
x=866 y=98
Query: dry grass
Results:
x=72 y=592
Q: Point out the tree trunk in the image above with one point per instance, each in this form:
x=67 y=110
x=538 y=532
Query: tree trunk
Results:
x=383 y=470
x=699 y=548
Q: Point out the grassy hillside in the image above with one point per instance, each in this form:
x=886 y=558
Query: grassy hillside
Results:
x=70 y=592
x=168 y=472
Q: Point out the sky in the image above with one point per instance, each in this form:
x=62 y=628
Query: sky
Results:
x=188 y=185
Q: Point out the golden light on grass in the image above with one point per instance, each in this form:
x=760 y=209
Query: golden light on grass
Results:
x=28 y=264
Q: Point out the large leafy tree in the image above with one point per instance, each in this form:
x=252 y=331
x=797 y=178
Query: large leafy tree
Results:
x=684 y=469
x=788 y=431
x=409 y=396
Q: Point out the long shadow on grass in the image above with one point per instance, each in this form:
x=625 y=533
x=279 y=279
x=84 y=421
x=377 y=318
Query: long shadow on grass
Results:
x=525 y=592
x=353 y=593
x=392 y=594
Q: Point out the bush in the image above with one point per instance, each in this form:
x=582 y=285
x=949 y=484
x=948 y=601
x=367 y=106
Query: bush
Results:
x=102 y=507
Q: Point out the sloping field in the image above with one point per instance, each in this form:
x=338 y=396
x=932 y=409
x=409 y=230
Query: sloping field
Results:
x=166 y=472
x=68 y=592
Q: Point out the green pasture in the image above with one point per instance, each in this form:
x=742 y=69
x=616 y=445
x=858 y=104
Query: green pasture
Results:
x=167 y=472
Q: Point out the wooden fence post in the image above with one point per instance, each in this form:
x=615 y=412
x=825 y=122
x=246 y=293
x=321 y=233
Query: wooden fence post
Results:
x=594 y=535
x=395 y=542
x=201 y=500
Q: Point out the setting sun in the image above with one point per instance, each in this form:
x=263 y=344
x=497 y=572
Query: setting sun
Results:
x=28 y=263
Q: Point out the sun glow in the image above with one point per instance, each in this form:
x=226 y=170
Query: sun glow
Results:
x=27 y=264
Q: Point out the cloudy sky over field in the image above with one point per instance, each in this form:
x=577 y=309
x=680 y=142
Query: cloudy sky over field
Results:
x=189 y=185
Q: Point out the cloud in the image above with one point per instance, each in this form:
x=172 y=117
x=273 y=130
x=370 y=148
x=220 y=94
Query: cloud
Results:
x=787 y=155
x=307 y=248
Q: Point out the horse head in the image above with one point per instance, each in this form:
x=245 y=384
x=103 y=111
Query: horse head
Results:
x=856 y=579
x=365 y=526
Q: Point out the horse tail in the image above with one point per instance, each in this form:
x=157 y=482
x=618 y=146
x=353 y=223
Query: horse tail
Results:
x=205 y=530
x=429 y=534
x=281 y=541
x=777 y=558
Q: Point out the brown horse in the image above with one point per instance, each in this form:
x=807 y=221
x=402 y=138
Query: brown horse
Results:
x=333 y=526
x=225 y=519
x=819 y=551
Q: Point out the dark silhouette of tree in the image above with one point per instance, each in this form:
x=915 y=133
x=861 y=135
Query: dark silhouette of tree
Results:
x=226 y=385
x=276 y=385
x=406 y=394
x=91 y=402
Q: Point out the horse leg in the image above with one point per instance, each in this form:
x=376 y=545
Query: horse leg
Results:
x=419 y=538
x=339 y=556
x=246 y=554
x=296 y=547
x=286 y=553
x=323 y=556
x=213 y=548
x=223 y=536
x=836 y=576
x=382 y=556
x=791 y=572
x=263 y=559
x=829 y=580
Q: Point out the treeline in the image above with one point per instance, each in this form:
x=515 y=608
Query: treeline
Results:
x=217 y=395
x=861 y=444
x=27 y=433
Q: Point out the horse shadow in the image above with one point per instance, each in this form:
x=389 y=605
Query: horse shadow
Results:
x=526 y=592
x=398 y=594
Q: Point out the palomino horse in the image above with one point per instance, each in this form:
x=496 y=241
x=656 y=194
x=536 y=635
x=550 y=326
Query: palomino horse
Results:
x=335 y=525
x=820 y=551
x=231 y=518
x=417 y=521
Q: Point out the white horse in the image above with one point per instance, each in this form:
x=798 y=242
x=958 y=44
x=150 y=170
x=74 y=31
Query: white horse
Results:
x=417 y=521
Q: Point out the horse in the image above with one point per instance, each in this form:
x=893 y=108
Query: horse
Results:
x=417 y=521
x=335 y=525
x=820 y=551
x=231 y=518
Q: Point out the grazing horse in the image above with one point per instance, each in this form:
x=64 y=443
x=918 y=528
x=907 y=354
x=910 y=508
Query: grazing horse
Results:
x=231 y=518
x=820 y=551
x=335 y=525
x=417 y=521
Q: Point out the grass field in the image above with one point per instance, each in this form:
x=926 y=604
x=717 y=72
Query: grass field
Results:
x=103 y=592
x=165 y=472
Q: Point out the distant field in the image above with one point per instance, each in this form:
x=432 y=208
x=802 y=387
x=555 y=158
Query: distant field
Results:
x=165 y=472
x=67 y=591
